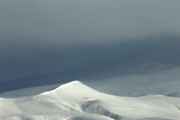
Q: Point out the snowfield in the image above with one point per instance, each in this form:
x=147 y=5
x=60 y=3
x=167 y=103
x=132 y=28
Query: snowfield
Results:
x=164 y=82
x=76 y=101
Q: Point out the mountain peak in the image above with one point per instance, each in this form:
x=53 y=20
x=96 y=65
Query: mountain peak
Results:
x=71 y=84
x=74 y=88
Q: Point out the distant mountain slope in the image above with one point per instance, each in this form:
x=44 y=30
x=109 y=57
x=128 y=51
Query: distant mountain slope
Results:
x=165 y=82
x=88 y=62
x=138 y=83
x=75 y=101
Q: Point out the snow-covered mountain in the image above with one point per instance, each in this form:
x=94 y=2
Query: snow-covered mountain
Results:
x=165 y=82
x=76 y=101
x=125 y=56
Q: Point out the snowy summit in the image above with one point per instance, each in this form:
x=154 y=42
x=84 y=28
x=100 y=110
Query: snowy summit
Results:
x=76 y=101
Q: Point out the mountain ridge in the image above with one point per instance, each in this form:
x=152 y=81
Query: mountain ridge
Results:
x=75 y=100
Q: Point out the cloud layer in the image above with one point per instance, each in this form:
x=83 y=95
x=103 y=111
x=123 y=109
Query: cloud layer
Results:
x=39 y=37
x=87 y=21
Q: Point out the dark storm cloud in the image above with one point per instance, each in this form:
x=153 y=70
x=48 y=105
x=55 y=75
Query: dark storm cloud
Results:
x=42 y=36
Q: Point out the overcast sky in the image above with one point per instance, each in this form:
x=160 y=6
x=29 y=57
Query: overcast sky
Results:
x=88 y=20
x=39 y=36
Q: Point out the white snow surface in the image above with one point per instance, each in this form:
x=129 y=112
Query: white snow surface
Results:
x=165 y=82
x=76 y=101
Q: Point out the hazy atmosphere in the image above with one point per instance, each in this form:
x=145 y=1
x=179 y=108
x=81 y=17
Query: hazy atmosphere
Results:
x=45 y=37
x=89 y=59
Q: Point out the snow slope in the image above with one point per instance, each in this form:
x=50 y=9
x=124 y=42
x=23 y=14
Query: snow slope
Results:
x=138 y=83
x=76 y=101
x=164 y=82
